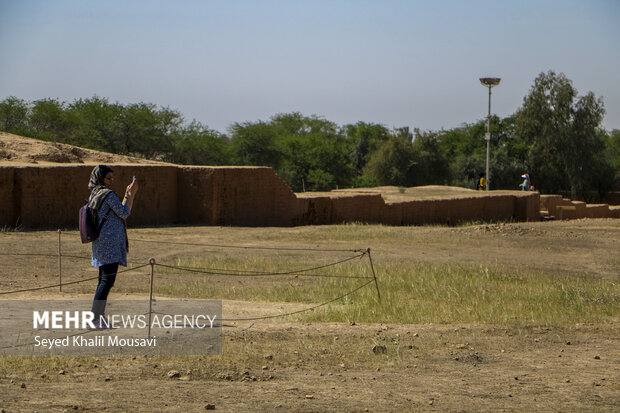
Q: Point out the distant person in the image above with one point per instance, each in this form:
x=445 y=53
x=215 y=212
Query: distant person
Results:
x=482 y=183
x=110 y=249
x=525 y=185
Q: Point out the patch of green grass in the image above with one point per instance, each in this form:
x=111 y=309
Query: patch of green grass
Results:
x=454 y=294
x=421 y=293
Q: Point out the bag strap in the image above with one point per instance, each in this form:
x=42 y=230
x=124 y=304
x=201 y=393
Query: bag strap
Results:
x=105 y=217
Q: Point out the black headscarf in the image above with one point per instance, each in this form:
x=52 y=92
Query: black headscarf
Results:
x=97 y=186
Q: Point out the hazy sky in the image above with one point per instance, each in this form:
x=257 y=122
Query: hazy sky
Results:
x=395 y=62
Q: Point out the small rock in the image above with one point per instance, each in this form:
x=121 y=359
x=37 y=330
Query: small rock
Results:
x=416 y=335
x=269 y=357
x=278 y=406
x=379 y=349
x=309 y=396
x=61 y=372
x=43 y=375
x=597 y=357
x=173 y=374
x=352 y=323
x=210 y=406
x=265 y=368
x=431 y=402
x=108 y=379
x=23 y=386
x=568 y=343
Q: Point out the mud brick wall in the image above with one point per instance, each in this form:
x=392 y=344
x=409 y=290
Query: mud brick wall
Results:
x=498 y=207
x=527 y=206
x=418 y=212
x=357 y=207
x=550 y=202
x=317 y=209
x=453 y=211
x=393 y=213
x=156 y=200
x=51 y=196
x=251 y=196
x=195 y=202
x=254 y=196
x=581 y=208
x=9 y=197
x=598 y=211
x=47 y=195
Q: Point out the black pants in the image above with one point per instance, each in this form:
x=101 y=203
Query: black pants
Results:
x=107 y=276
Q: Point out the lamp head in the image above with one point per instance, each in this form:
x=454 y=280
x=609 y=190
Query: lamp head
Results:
x=490 y=81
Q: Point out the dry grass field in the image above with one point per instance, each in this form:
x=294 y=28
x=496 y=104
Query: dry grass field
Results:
x=497 y=317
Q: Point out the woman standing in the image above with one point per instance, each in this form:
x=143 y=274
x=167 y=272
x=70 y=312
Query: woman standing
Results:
x=110 y=249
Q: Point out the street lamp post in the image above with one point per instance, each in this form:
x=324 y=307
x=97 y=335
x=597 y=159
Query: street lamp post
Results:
x=489 y=82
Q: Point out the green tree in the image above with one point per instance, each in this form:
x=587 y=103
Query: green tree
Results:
x=562 y=130
x=392 y=163
x=431 y=165
x=49 y=120
x=95 y=123
x=147 y=130
x=255 y=144
x=14 y=116
x=196 y=144
x=365 y=139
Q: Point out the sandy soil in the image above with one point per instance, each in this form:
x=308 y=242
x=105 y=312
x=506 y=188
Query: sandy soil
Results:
x=18 y=150
x=280 y=365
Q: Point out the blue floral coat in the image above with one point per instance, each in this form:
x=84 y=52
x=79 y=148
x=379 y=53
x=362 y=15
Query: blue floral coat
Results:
x=111 y=246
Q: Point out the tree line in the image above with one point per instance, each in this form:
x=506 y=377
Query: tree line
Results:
x=555 y=136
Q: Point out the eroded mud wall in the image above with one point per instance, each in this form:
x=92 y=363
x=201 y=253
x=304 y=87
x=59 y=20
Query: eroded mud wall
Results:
x=252 y=196
x=51 y=196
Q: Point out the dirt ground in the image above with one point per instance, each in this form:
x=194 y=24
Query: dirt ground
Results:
x=19 y=151
x=283 y=365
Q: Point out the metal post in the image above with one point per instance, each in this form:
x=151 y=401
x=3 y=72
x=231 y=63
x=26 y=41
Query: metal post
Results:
x=59 y=263
x=488 y=138
x=489 y=82
x=152 y=263
x=372 y=267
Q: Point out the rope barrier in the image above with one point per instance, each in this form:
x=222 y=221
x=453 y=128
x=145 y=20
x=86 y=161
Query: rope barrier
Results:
x=69 y=283
x=26 y=254
x=197 y=270
x=152 y=263
x=248 y=247
x=300 y=311
x=247 y=273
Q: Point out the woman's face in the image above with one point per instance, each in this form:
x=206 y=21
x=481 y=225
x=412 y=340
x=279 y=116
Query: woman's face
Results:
x=109 y=179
